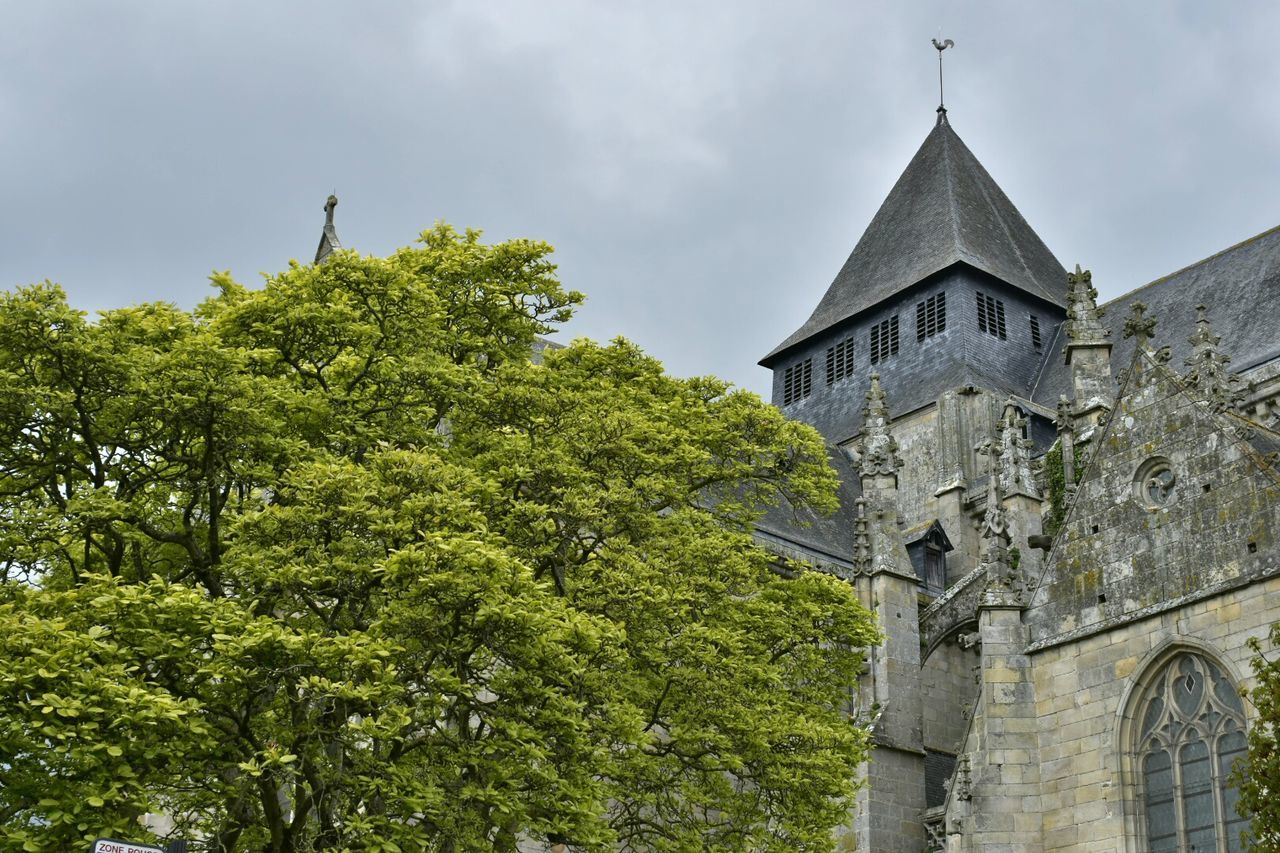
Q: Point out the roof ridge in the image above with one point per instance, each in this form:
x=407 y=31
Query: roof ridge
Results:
x=999 y=211
x=1194 y=264
x=951 y=189
x=1004 y=226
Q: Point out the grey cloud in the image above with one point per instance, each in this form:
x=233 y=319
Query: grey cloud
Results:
x=703 y=169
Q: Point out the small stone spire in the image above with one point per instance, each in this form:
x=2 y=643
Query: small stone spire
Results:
x=1084 y=317
x=879 y=448
x=1088 y=352
x=878 y=465
x=1067 y=436
x=861 y=538
x=1004 y=584
x=1015 y=453
x=329 y=237
x=1207 y=365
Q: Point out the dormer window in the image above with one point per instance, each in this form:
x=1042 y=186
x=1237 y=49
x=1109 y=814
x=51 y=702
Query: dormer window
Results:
x=935 y=566
x=927 y=545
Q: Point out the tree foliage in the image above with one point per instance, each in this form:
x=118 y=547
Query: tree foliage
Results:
x=334 y=564
x=1260 y=778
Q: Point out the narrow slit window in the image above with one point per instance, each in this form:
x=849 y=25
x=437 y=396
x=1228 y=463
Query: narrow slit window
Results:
x=797 y=382
x=1035 y=333
x=840 y=361
x=931 y=316
x=991 y=316
x=884 y=339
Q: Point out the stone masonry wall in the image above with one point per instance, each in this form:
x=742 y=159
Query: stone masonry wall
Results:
x=1001 y=809
x=887 y=814
x=1118 y=558
x=1079 y=688
x=918 y=445
x=949 y=691
x=1129 y=576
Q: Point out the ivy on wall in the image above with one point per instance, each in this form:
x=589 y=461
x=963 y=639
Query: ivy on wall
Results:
x=1055 y=484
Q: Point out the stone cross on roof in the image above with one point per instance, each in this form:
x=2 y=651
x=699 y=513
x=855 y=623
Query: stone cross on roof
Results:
x=329 y=237
x=1139 y=326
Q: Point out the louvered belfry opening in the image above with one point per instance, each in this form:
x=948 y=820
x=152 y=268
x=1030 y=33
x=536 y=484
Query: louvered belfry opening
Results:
x=884 y=339
x=797 y=382
x=931 y=316
x=991 y=316
x=839 y=361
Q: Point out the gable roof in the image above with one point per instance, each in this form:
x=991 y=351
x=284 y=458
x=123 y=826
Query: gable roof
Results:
x=944 y=209
x=928 y=529
x=1241 y=287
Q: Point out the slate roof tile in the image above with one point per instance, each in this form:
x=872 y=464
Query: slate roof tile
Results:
x=1241 y=287
x=945 y=209
x=829 y=535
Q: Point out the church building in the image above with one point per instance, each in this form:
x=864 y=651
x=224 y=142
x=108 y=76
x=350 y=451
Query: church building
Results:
x=1063 y=514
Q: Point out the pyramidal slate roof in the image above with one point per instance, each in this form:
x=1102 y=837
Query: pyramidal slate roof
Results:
x=944 y=209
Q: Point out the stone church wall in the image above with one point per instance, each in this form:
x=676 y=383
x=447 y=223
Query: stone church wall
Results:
x=1116 y=556
x=948 y=691
x=922 y=459
x=1079 y=689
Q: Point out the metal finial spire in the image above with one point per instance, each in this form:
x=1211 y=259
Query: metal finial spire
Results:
x=941 y=46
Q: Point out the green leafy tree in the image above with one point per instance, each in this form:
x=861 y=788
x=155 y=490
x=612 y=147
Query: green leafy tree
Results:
x=334 y=565
x=1260 y=778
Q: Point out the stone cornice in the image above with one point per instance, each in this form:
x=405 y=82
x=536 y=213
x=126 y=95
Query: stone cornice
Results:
x=1263 y=571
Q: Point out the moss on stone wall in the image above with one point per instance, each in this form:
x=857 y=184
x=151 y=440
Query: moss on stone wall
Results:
x=1055 y=485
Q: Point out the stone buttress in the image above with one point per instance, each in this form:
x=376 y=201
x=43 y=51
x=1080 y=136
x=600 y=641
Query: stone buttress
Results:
x=889 y=806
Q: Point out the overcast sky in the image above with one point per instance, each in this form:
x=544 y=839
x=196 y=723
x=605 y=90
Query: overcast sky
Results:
x=703 y=168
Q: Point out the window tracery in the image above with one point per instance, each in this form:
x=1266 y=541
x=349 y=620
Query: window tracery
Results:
x=1154 y=483
x=1191 y=731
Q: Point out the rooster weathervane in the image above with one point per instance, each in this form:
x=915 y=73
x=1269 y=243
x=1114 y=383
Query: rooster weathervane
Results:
x=941 y=46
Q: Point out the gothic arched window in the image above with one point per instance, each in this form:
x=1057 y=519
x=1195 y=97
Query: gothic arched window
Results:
x=1190 y=730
